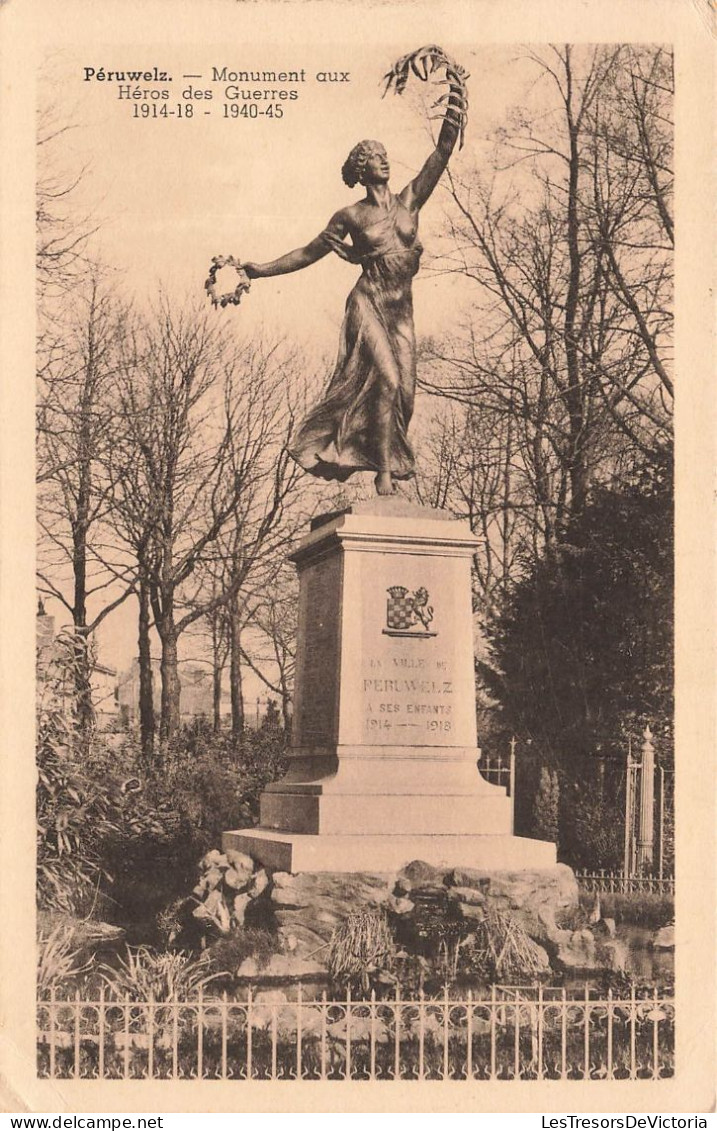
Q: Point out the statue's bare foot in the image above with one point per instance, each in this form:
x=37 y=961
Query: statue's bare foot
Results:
x=384 y=483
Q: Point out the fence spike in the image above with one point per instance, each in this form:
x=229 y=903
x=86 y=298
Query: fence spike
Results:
x=76 y=1068
x=655 y=1035
x=126 y=1037
x=493 y=1020
x=298 y=1032
x=225 y=1023
x=324 y=1008
x=200 y=1032
x=101 y=1031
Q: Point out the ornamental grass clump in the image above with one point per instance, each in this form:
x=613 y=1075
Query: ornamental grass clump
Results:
x=58 y=960
x=505 y=950
x=361 y=949
x=147 y=976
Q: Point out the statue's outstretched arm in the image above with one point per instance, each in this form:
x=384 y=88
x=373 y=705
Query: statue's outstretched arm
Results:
x=302 y=256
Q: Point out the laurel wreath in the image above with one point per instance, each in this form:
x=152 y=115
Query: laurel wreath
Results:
x=423 y=63
x=230 y=298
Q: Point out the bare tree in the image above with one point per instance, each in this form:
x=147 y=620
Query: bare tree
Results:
x=63 y=231
x=468 y=467
x=631 y=224
x=275 y=627
x=75 y=497
x=565 y=354
x=205 y=424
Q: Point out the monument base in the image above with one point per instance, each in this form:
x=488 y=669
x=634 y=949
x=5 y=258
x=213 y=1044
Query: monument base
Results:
x=385 y=853
x=383 y=766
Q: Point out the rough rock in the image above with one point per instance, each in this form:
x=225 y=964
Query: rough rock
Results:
x=239 y=906
x=472 y=912
x=583 y=935
x=604 y=927
x=429 y=893
x=259 y=883
x=309 y=906
x=533 y=897
x=469 y=878
x=665 y=938
x=289 y=891
x=400 y=906
x=542 y=958
x=212 y=878
x=583 y=954
x=239 y=860
x=467 y=895
x=214 y=858
x=295 y=938
x=214 y=910
x=335 y=892
x=237 y=879
x=575 y=954
x=419 y=873
x=612 y=954
x=270 y=997
x=283 y=967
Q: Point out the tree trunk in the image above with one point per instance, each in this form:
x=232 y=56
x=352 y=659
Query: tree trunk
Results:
x=217 y=697
x=285 y=706
x=171 y=686
x=235 y=672
x=218 y=661
x=84 y=709
x=85 y=713
x=147 y=723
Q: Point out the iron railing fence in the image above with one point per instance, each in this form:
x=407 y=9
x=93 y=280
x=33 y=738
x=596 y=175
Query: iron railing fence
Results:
x=518 y=1033
x=622 y=884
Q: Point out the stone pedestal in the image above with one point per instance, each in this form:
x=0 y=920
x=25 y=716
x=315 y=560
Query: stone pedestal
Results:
x=384 y=750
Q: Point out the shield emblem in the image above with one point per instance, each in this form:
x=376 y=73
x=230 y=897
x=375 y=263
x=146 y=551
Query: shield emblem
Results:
x=399 y=608
x=408 y=614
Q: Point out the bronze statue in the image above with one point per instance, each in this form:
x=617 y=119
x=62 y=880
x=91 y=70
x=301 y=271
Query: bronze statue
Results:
x=361 y=421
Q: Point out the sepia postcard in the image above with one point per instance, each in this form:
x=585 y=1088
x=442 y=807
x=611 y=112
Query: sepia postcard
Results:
x=357 y=556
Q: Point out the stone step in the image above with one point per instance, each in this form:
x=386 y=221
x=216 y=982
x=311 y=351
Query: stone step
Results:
x=373 y=814
x=385 y=853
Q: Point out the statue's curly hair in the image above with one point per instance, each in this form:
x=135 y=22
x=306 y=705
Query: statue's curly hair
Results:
x=354 y=165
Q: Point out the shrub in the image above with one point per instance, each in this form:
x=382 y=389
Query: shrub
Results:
x=361 y=949
x=58 y=959
x=227 y=954
x=145 y=975
x=76 y=815
x=546 y=805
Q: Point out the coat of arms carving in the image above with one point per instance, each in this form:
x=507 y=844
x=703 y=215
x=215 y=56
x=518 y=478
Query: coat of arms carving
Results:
x=408 y=614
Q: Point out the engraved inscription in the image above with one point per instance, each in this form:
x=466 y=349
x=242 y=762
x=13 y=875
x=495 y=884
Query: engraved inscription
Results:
x=408 y=700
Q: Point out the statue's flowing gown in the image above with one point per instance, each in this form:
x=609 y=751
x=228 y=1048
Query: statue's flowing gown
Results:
x=373 y=385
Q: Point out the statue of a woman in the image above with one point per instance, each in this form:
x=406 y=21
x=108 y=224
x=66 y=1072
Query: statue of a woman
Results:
x=361 y=421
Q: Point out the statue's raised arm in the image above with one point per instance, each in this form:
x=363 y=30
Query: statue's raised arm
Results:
x=453 y=110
